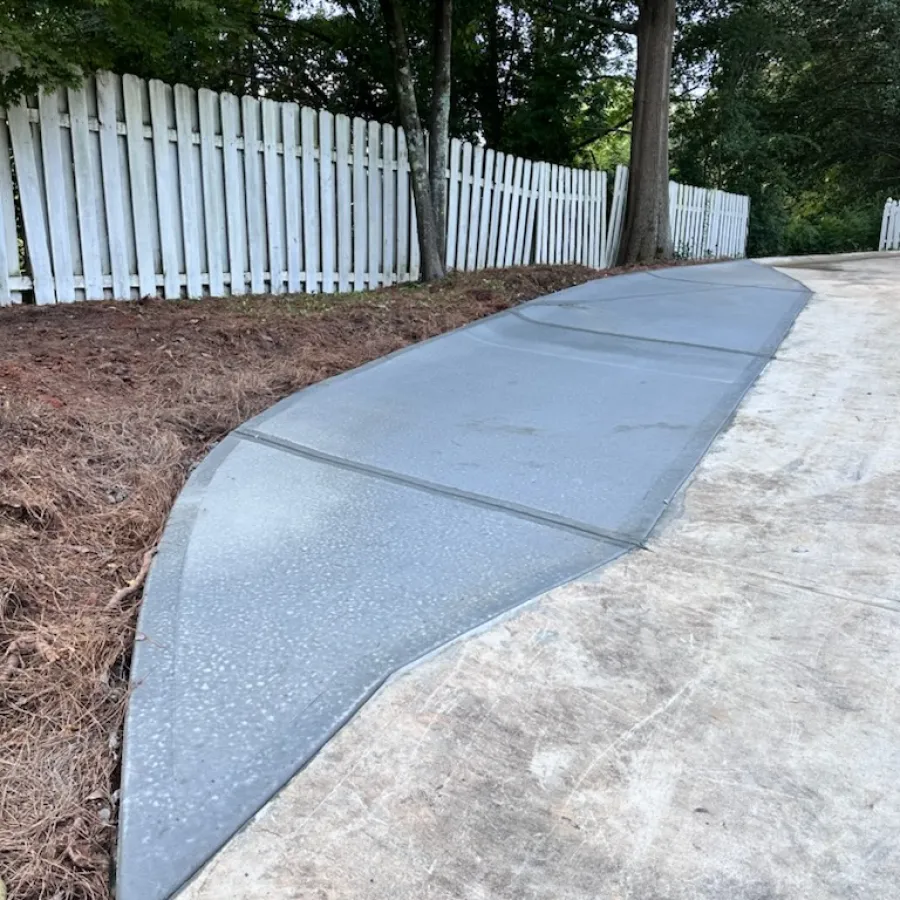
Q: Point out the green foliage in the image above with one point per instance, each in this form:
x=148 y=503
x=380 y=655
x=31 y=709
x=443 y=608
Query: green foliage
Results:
x=50 y=42
x=801 y=110
x=819 y=225
x=612 y=146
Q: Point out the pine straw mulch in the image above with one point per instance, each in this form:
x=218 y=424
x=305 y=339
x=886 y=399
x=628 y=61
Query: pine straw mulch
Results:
x=104 y=409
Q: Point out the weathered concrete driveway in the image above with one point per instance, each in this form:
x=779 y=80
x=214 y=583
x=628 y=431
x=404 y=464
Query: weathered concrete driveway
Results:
x=717 y=716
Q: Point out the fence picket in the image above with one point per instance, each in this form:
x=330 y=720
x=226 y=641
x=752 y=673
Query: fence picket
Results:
x=344 y=202
x=577 y=217
x=112 y=184
x=562 y=230
x=523 y=213
x=552 y=201
x=234 y=194
x=475 y=207
x=5 y=292
x=374 y=277
x=503 y=229
x=603 y=221
x=533 y=183
x=589 y=224
x=890 y=226
x=9 y=244
x=293 y=227
x=360 y=206
x=310 y=200
x=454 y=175
x=496 y=207
x=543 y=200
x=6 y=195
x=55 y=192
x=697 y=239
x=86 y=197
x=327 y=221
x=187 y=190
x=132 y=90
x=159 y=119
x=415 y=251
x=484 y=219
x=253 y=197
x=32 y=204
x=581 y=195
x=559 y=192
x=510 y=227
x=730 y=231
x=388 y=216
x=465 y=200
x=273 y=194
x=616 y=218
x=212 y=214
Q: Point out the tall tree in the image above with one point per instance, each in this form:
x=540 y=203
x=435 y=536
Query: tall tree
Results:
x=440 y=117
x=646 y=232
x=430 y=204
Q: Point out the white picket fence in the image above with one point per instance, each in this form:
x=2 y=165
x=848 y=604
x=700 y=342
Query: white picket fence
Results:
x=125 y=188
x=707 y=223
x=890 y=226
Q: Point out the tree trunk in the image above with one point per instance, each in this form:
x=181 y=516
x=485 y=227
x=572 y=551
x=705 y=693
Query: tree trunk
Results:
x=440 y=117
x=646 y=234
x=429 y=243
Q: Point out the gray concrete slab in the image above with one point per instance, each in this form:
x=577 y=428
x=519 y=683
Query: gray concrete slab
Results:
x=716 y=717
x=745 y=319
x=300 y=588
x=530 y=414
x=380 y=514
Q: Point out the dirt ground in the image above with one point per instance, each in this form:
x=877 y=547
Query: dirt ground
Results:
x=104 y=408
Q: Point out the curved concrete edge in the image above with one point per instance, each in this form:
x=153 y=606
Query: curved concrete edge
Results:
x=150 y=864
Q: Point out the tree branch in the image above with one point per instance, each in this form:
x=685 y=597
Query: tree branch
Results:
x=299 y=24
x=612 y=24
x=615 y=128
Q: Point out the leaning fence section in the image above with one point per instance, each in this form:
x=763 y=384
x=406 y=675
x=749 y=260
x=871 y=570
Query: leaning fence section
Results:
x=890 y=226
x=124 y=188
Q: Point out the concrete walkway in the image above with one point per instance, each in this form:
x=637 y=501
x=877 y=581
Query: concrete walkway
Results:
x=717 y=716
x=372 y=518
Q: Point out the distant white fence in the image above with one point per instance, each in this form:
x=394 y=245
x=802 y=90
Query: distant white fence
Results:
x=125 y=188
x=890 y=226
x=707 y=222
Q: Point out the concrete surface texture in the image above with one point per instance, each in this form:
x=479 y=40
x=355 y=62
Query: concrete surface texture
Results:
x=370 y=519
x=717 y=716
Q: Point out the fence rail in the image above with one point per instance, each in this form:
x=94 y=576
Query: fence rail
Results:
x=890 y=226
x=125 y=188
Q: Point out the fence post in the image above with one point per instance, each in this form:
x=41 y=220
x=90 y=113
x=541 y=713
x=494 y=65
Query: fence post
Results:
x=32 y=205
x=9 y=244
x=886 y=222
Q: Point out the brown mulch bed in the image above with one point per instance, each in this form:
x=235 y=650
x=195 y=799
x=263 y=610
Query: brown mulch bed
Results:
x=104 y=408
